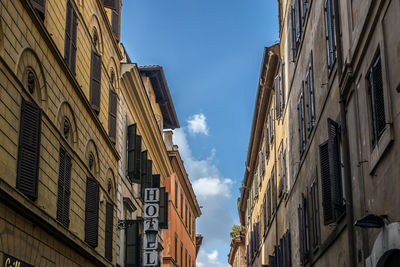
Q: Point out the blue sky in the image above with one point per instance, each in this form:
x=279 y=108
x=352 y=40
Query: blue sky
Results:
x=211 y=52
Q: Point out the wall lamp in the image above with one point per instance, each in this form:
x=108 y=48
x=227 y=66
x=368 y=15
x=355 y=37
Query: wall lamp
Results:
x=371 y=221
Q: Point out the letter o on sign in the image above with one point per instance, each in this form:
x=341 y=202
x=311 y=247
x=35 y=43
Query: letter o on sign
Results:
x=151 y=210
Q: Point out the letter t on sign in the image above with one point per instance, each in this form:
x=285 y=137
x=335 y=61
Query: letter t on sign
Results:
x=151 y=195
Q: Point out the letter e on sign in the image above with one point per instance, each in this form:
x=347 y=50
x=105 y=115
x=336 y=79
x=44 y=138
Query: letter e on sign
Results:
x=151 y=195
x=151 y=210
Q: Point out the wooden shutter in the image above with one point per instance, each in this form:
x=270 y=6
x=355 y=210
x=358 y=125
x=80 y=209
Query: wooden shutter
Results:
x=272 y=261
x=70 y=37
x=155 y=181
x=138 y=158
x=266 y=138
x=277 y=96
x=298 y=21
x=335 y=167
x=377 y=100
x=282 y=91
x=269 y=201
x=288 y=254
x=132 y=245
x=115 y=20
x=143 y=170
x=310 y=99
x=112 y=116
x=301 y=233
x=315 y=213
x=327 y=206
x=305 y=7
x=293 y=28
x=163 y=215
x=265 y=214
x=109 y=3
x=95 y=81
x=64 y=185
x=306 y=228
x=29 y=149
x=285 y=174
x=147 y=167
x=39 y=6
x=131 y=146
x=281 y=183
x=109 y=230
x=92 y=212
x=273 y=190
x=300 y=112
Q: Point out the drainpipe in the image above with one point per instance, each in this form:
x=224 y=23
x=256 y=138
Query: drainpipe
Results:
x=345 y=144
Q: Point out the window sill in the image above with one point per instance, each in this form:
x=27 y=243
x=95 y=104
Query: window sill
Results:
x=383 y=143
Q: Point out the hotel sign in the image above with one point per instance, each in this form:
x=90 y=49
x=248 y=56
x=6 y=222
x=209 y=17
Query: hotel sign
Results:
x=9 y=261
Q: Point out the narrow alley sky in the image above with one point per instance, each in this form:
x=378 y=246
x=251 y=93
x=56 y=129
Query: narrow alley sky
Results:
x=211 y=52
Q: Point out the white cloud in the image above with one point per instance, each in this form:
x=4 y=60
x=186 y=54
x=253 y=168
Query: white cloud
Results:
x=212 y=187
x=205 y=259
x=197 y=124
x=213 y=192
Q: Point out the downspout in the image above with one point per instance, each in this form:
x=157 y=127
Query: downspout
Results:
x=345 y=144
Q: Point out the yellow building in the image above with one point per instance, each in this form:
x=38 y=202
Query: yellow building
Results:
x=59 y=67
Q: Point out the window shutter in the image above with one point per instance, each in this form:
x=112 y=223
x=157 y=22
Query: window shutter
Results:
x=266 y=138
x=293 y=28
x=305 y=7
x=109 y=3
x=282 y=91
x=39 y=6
x=155 y=181
x=163 y=217
x=138 y=158
x=306 y=228
x=29 y=149
x=335 y=167
x=273 y=191
x=298 y=21
x=377 y=100
x=301 y=233
x=109 y=230
x=300 y=111
x=147 y=177
x=73 y=42
x=131 y=149
x=70 y=37
x=143 y=170
x=327 y=207
x=281 y=182
x=95 y=79
x=310 y=98
x=269 y=201
x=115 y=21
x=64 y=184
x=132 y=245
x=315 y=213
x=92 y=212
x=272 y=261
x=288 y=259
x=112 y=116
x=285 y=175
x=277 y=96
x=265 y=215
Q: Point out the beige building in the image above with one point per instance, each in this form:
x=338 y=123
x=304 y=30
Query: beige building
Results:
x=59 y=67
x=340 y=63
x=237 y=253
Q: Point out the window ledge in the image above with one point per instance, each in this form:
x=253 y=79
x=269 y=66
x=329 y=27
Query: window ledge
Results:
x=383 y=143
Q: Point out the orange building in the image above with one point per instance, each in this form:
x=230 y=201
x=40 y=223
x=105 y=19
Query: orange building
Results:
x=180 y=237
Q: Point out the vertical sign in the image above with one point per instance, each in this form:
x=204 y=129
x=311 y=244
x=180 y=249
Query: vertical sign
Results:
x=150 y=240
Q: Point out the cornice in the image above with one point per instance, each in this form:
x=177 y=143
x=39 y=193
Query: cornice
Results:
x=139 y=106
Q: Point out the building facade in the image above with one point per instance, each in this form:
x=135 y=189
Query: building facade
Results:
x=181 y=241
x=81 y=138
x=59 y=68
x=237 y=253
x=338 y=61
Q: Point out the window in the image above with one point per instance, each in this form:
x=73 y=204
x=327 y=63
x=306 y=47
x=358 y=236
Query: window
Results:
x=330 y=33
x=296 y=28
x=70 y=37
x=273 y=190
x=163 y=217
x=282 y=252
x=109 y=230
x=176 y=247
x=377 y=100
x=132 y=245
x=277 y=87
x=182 y=206
x=304 y=240
x=186 y=214
x=309 y=84
x=176 y=194
x=114 y=5
x=64 y=185
x=40 y=7
x=181 y=254
x=301 y=130
x=92 y=211
x=315 y=213
x=269 y=201
x=95 y=79
x=134 y=144
x=186 y=258
x=190 y=224
x=112 y=116
x=264 y=215
x=331 y=175
x=29 y=149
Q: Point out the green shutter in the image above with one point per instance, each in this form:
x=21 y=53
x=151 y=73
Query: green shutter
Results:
x=92 y=212
x=109 y=230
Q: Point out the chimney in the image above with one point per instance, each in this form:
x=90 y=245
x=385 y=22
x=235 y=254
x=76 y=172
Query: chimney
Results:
x=168 y=140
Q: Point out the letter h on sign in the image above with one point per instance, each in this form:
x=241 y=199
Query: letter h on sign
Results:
x=151 y=195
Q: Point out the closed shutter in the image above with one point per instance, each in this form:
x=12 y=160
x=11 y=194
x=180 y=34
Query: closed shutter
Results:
x=155 y=181
x=310 y=98
x=315 y=213
x=301 y=233
x=115 y=20
x=163 y=215
x=327 y=207
x=92 y=212
x=269 y=201
x=112 y=116
x=377 y=100
x=109 y=230
x=285 y=174
x=29 y=149
x=288 y=254
x=281 y=183
x=109 y=3
x=298 y=21
x=64 y=185
x=266 y=140
x=293 y=29
x=70 y=37
x=306 y=228
x=265 y=215
x=131 y=146
x=138 y=158
x=330 y=32
x=277 y=96
x=335 y=167
x=273 y=191
x=272 y=261
x=132 y=245
x=305 y=7
x=95 y=79
x=300 y=111
x=147 y=167
x=143 y=170
x=39 y=6
x=282 y=91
